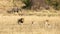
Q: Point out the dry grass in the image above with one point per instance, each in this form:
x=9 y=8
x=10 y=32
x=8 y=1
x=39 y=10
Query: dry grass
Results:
x=8 y=4
x=9 y=25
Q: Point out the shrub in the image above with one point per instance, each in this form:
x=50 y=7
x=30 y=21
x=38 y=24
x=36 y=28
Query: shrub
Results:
x=54 y=3
x=27 y=3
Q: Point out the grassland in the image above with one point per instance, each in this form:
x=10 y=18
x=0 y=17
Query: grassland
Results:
x=9 y=21
x=9 y=25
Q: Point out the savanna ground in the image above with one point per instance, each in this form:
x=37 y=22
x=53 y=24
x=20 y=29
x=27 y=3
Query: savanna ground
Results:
x=9 y=22
x=9 y=25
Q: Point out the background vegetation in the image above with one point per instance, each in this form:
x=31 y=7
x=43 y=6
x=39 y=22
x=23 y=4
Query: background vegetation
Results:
x=53 y=3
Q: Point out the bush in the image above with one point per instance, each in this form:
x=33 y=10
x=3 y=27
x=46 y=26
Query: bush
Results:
x=27 y=3
x=54 y=3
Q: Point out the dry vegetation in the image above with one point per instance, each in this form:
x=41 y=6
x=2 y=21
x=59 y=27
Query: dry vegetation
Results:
x=7 y=5
x=35 y=22
x=9 y=25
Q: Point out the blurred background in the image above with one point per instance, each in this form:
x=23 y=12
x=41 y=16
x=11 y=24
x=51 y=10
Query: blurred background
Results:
x=29 y=7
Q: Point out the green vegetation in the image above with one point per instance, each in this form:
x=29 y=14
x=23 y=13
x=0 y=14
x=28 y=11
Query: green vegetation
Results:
x=27 y=3
x=54 y=3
